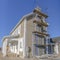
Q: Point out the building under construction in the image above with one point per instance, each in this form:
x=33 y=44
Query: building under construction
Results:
x=29 y=37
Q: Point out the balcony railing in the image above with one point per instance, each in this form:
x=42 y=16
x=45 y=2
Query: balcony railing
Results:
x=40 y=45
x=40 y=23
x=41 y=33
x=44 y=45
x=40 y=13
x=51 y=44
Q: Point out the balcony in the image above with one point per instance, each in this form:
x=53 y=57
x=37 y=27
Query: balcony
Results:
x=50 y=44
x=41 y=33
x=40 y=45
x=40 y=23
x=44 y=45
x=40 y=13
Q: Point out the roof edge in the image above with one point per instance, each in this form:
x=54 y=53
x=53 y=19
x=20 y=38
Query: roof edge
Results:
x=20 y=22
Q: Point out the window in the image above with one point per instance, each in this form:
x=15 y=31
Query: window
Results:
x=38 y=28
x=39 y=39
x=39 y=17
x=44 y=29
x=36 y=51
x=43 y=19
x=51 y=41
x=42 y=41
x=49 y=50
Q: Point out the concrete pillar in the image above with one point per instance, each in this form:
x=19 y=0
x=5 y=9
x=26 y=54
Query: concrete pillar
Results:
x=15 y=48
x=33 y=47
x=56 y=48
x=47 y=44
x=25 y=38
x=4 y=47
x=18 y=46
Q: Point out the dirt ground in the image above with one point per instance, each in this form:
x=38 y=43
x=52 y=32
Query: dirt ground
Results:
x=19 y=58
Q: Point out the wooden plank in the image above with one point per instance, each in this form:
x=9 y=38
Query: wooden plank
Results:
x=41 y=33
x=40 y=13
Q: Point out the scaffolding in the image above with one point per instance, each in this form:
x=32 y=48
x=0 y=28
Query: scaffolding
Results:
x=42 y=34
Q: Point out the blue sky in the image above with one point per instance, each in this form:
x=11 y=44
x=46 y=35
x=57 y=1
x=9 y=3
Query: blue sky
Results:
x=11 y=11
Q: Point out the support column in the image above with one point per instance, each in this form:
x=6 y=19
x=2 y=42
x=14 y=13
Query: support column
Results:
x=25 y=38
x=15 y=48
x=47 y=45
x=18 y=46
x=56 y=48
x=33 y=42
x=33 y=48
x=5 y=47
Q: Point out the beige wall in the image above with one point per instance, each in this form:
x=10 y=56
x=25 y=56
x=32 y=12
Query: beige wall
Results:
x=30 y=28
x=22 y=29
x=29 y=33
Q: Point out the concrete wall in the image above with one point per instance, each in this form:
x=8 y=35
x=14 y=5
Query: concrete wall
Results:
x=57 y=45
x=20 y=47
x=22 y=29
x=30 y=28
x=19 y=30
x=4 y=47
x=59 y=48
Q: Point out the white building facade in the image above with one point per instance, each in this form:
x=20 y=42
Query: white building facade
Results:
x=15 y=42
